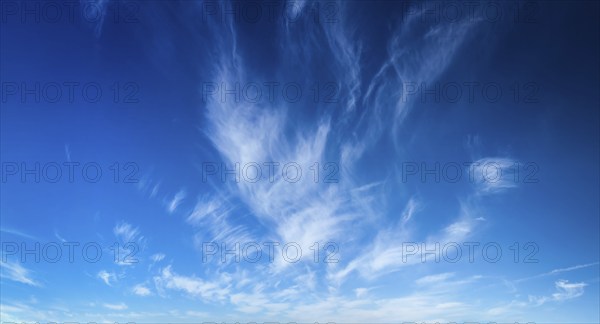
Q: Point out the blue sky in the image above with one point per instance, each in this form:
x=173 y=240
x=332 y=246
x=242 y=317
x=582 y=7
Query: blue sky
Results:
x=413 y=124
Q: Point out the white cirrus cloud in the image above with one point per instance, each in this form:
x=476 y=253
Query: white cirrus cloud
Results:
x=126 y=232
x=16 y=272
x=176 y=201
x=117 y=307
x=493 y=174
x=157 y=257
x=107 y=277
x=568 y=290
x=194 y=286
x=141 y=290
